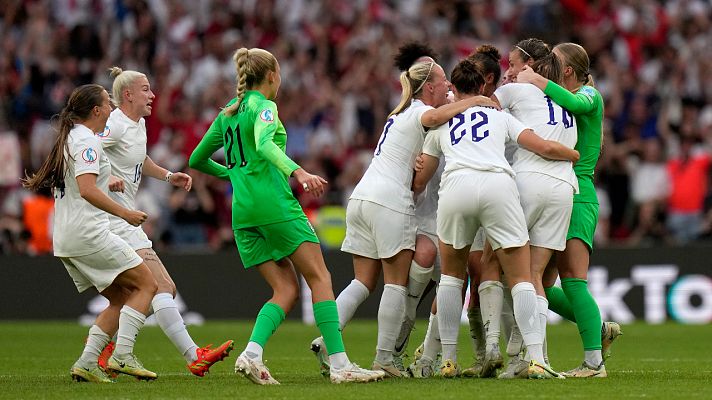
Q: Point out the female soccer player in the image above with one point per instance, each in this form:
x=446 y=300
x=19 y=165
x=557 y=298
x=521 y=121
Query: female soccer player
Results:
x=78 y=171
x=270 y=227
x=476 y=169
x=579 y=96
x=124 y=141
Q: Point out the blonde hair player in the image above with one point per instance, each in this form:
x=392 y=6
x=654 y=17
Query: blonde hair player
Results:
x=78 y=171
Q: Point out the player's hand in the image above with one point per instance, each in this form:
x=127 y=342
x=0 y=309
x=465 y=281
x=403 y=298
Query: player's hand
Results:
x=419 y=163
x=526 y=75
x=180 y=179
x=135 y=217
x=314 y=184
x=484 y=101
x=116 y=184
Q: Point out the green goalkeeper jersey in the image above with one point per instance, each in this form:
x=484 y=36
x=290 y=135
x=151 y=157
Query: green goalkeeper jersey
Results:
x=587 y=107
x=254 y=140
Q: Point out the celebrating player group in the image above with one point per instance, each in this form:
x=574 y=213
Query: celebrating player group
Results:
x=477 y=179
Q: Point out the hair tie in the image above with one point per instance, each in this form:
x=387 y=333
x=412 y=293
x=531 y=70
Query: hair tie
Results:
x=432 y=63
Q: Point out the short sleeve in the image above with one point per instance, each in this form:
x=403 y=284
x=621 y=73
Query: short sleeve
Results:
x=418 y=117
x=505 y=95
x=86 y=154
x=514 y=127
x=431 y=146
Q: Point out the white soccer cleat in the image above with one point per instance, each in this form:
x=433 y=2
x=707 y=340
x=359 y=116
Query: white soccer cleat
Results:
x=475 y=370
x=609 y=332
x=354 y=373
x=390 y=370
x=254 y=370
x=319 y=349
x=516 y=368
x=492 y=362
x=586 y=371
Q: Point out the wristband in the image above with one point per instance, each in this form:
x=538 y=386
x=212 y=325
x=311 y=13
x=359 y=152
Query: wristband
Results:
x=168 y=177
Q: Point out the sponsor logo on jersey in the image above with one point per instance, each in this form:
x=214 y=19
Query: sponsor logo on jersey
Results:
x=267 y=115
x=105 y=133
x=89 y=155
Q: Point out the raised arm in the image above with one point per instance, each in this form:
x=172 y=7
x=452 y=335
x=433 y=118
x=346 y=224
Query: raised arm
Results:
x=546 y=148
x=580 y=103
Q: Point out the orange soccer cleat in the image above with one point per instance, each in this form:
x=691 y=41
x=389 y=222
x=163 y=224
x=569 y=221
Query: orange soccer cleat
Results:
x=208 y=356
x=103 y=360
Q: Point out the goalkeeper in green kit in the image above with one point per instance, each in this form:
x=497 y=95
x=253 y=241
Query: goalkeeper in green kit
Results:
x=271 y=231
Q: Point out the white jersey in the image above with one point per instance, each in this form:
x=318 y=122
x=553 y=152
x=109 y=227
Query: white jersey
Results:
x=426 y=205
x=474 y=139
x=124 y=142
x=549 y=120
x=79 y=227
x=389 y=178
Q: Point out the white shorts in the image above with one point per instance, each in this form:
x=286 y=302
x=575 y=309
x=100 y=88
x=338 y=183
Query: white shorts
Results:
x=547 y=204
x=436 y=265
x=377 y=232
x=479 y=243
x=470 y=199
x=101 y=268
x=134 y=236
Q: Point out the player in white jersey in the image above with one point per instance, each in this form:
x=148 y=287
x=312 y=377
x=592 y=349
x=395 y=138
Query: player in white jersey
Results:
x=475 y=168
x=124 y=141
x=380 y=223
x=78 y=171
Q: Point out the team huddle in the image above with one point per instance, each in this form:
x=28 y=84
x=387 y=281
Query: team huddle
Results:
x=470 y=181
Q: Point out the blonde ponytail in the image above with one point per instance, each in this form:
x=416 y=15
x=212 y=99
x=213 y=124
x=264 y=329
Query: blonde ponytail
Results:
x=416 y=76
x=251 y=67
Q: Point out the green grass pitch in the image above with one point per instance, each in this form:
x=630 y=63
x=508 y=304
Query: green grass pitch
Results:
x=663 y=361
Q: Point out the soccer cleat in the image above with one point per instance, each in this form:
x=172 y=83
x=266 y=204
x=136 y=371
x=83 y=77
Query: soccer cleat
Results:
x=254 y=370
x=609 y=332
x=539 y=371
x=422 y=368
x=130 y=365
x=103 y=360
x=475 y=370
x=354 y=373
x=418 y=352
x=319 y=349
x=398 y=363
x=390 y=370
x=492 y=362
x=449 y=369
x=516 y=368
x=208 y=356
x=95 y=375
x=586 y=371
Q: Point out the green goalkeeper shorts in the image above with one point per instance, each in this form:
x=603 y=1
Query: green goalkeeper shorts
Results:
x=263 y=243
x=584 y=217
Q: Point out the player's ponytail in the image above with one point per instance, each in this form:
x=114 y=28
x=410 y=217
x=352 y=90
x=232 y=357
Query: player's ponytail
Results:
x=251 y=67
x=575 y=56
x=412 y=82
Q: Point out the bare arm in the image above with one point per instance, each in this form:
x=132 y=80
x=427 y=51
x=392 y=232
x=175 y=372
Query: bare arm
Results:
x=442 y=114
x=422 y=177
x=546 y=148
x=99 y=199
x=178 y=179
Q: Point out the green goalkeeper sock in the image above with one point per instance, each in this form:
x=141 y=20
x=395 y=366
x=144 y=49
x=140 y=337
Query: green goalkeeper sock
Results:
x=270 y=317
x=326 y=316
x=588 y=316
x=558 y=303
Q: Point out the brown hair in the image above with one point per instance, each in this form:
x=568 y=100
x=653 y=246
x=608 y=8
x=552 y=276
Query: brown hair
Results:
x=575 y=56
x=467 y=76
x=78 y=109
x=252 y=66
x=489 y=56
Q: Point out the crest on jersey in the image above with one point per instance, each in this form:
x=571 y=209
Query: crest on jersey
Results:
x=267 y=115
x=89 y=155
x=105 y=133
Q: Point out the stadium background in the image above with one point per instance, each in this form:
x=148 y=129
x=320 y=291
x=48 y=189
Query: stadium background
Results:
x=650 y=59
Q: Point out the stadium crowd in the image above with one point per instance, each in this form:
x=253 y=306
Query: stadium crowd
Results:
x=649 y=60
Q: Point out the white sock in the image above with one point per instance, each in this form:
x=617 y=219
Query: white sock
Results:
x=491 y=299
x=390 y=318
x=507 y=318
x=542 y=307
x=349 y=299
x=130 y=322
x=254 y=351
x=477 y=331
x=525 y=312
x=96 y=342
x=449 y=312
x=418 y=279
x=431 y=344
x=169 y=319
x=593 y=358
x=339 y=360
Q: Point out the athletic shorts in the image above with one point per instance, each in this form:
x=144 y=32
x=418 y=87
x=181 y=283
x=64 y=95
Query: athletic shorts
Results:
x=133 y=235
x=473 y=199
x=377 y=232
x=259 y=244
x=547 y=204
x=101 y=268
x=584 y=217
x=479 y=243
